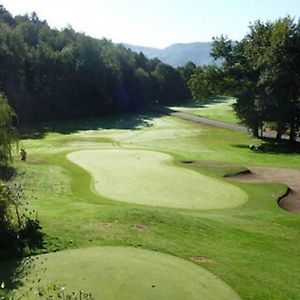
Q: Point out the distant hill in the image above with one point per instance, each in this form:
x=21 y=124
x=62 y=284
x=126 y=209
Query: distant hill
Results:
x=179 y=54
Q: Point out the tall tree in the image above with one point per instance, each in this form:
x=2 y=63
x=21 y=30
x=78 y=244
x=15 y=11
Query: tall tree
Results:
x=206 y=82
x=265 y=68
x=7 y=132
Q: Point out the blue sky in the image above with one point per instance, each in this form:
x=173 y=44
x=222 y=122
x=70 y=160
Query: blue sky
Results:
x=156 y=23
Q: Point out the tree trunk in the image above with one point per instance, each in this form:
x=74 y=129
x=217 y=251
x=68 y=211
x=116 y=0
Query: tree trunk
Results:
x=255 y=130
x=292 y=132
x=278 y=135
x=262 y=130
x=280 y=130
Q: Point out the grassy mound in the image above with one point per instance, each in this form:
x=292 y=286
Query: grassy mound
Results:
x=127 y=273
x=149 y=178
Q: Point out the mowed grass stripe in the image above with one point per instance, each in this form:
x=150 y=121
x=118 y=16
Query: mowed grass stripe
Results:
x=150 y=178
x=113 y=273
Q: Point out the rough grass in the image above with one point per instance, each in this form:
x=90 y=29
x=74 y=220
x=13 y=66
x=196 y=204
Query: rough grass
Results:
x=126 y=273
x=149 y=178
x=254 y=247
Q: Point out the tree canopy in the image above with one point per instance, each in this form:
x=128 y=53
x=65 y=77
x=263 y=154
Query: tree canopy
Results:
x=48 y=74
x=265 y=69
x=7 y=132
x=262 y=71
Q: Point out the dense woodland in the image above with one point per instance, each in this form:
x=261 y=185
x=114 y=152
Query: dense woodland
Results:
x=262 y=71
x=48 y=74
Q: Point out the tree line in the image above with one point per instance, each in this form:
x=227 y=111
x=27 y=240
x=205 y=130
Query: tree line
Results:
x=262 y=71
x=48 y=74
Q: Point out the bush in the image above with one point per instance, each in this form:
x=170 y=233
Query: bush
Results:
x=17 y=230
x=53 y=292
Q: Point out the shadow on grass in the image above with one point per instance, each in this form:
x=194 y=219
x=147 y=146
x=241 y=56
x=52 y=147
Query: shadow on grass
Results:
x=16 y=262
x=270 y=146
x=132 y=121
x=13 y=271
x=7 y=172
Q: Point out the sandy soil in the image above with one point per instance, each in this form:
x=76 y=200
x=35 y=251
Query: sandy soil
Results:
x=289 y=177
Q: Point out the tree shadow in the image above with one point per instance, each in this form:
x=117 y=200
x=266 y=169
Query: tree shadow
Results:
x=13 y=271
x=16 y=262
x=7 y=172
x=128 y=121
x=241 y=146
x=271 y=146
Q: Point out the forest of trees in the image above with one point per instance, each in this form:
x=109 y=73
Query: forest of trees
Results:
x=48 y=74
x=262 y=71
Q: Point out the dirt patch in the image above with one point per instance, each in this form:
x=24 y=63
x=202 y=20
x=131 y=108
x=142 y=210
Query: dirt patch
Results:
x=243 y=172
x=200 y=259
x=140 y=227
x=201 y=163
x=106 y=225
x=291 y=200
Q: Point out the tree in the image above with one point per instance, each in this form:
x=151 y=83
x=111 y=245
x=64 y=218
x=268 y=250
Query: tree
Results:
x=187 y=70
x=279 y=75
x=264 y=67
x=49 y=74
x=7 y=132
x=171 y=87
x=206 y=82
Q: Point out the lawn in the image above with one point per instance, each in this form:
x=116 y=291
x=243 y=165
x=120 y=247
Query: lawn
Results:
x=150 y=178
x=250 y=247
x=128 y=273
x=219 y=109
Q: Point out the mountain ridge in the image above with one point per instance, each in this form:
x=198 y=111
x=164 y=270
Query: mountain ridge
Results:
x=178 y=54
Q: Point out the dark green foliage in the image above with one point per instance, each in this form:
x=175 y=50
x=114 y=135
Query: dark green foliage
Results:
x=52 y=291
x=19 y=232
x=50 y=74
x=7 y=132
x=206 y=82
x=170 y=86
x=6 y=172
x=264 y=68
x=187 y=70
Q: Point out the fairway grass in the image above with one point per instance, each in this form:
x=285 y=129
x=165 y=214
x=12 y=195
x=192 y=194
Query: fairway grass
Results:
x=113 y=273
x=254 y=247
x=149 y=178
x=220 y=110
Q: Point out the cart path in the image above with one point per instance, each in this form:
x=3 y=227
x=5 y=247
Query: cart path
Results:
x=206 y=121
x=211 y=122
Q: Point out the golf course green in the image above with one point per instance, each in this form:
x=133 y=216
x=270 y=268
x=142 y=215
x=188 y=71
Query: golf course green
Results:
x=119 y=182
x=127 y=273
x=149 y=178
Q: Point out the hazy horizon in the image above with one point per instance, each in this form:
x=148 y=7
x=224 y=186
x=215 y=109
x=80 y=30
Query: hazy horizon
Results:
x=156 y=23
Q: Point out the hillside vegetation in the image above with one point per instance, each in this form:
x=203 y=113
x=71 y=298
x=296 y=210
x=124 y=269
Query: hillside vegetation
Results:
x=49 y=74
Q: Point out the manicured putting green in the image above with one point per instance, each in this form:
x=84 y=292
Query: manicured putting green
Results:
x=150 y=178
x=112 y=273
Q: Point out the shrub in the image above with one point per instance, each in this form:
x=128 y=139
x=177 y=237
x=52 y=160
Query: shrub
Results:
x=17 y=230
